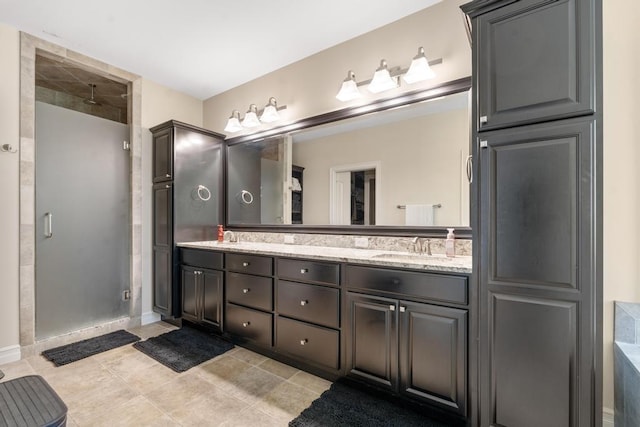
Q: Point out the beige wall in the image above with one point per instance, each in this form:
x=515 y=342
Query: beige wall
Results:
x=9 y=206
x=432 y=173
x=308 y=87
x=621 y=171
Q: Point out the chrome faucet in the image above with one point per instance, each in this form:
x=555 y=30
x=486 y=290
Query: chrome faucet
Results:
x=229 y=236
x=421 y=245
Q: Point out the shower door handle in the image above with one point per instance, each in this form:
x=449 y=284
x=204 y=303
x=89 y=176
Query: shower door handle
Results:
x=48 y=225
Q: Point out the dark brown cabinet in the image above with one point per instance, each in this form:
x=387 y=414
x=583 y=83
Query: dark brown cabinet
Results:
x=164 y=294
x=534 y=60
x=202 y=296
x=537 y=216
x=415 y=349
x=201 y=280
x=187 y=202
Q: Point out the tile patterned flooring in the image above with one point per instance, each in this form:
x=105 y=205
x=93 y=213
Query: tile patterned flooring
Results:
x=124 y=387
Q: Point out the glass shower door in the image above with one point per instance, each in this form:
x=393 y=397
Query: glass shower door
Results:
x=82 y=220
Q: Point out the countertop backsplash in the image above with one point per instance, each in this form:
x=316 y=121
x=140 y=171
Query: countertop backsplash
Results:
x=384 y=243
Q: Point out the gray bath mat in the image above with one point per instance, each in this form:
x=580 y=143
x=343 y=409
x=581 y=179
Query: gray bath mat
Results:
x=79 y=350
x=343 y=405
x=183 y=348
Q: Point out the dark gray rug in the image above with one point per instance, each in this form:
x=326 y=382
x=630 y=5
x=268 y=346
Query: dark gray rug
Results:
x=183 y=348
x=343 y=405
x=79 y=350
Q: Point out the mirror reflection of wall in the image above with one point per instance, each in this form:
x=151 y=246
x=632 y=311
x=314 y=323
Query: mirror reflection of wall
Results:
x=400 y=167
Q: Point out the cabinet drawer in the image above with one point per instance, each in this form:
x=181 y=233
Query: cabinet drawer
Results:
x=252 y=291
x=201 y=258
x=309 y=271
x=313 y=343
x=253 y=264
x=311 y=303
x=408 y=284
x=250 y=324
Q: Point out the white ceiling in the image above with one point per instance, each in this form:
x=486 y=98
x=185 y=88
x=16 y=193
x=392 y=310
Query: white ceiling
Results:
x=202 y=47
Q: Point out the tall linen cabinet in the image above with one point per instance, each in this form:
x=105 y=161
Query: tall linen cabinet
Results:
x=537 y=216
x=187 y=202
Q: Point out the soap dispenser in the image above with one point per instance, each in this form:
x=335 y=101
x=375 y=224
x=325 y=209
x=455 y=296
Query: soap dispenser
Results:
x=450 y=243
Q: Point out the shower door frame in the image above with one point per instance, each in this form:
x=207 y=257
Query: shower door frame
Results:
x=29 y=45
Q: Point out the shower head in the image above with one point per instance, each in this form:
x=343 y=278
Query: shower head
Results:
x=92 y=101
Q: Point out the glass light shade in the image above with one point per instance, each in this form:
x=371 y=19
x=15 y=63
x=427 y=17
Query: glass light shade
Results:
x=419 y=69
x=251 y=117
x=233 y=124
x=349 y=89
x=382 y=80
x=270 y=113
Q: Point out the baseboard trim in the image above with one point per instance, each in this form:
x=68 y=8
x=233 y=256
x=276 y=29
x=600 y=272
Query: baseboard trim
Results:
x=10 y=354
x=150 y=317
x=607 y=417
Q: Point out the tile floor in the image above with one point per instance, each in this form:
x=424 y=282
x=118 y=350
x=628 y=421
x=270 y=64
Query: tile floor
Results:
x=124 y=387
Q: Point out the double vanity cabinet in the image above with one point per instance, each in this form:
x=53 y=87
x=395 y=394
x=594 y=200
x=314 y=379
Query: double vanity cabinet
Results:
x=399 y=329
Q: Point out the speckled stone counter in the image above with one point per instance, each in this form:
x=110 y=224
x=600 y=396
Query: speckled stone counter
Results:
x=458 y=264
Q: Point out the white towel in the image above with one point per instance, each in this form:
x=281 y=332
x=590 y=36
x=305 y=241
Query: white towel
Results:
x=418 y=215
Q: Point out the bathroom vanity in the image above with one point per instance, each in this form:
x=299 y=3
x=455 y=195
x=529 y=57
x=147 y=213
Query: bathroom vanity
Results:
x=395 y=320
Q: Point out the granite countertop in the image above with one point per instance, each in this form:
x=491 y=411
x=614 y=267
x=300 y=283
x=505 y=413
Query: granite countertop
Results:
x=458 y=264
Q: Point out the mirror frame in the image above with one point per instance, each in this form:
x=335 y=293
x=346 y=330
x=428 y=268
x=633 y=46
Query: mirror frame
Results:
x=448 y=88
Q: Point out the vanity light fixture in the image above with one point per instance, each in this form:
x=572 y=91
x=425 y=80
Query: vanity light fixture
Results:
x=270 y=113
x=254 y=117
x=251 y=117
x=233 y=124
x=386 y=78
x=349 y=89
x=419 y=69
x=382 y=79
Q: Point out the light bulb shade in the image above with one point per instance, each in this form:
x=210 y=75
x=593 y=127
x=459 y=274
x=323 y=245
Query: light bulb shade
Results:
x=382 y=80
x=251 y=117
x=270 y=113
x=349 y=89
x=233 y=124
x=419 y=69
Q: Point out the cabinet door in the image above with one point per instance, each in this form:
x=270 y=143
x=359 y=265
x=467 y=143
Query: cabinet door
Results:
x=372 y=339
x=537 y=273
x=433 y=359
x=163 y=156
x=535 y=62
x=165 y=295
x=211 y=285
x=190 y=292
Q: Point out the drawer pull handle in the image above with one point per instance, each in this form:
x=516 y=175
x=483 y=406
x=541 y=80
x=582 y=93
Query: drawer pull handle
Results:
x=245 y=264
x=304 y=302
x=304 y=341
x=246 y=290
x=245 y=324
x=403 y=309
x=304 y=270
x=392 y=308
x=483 y=120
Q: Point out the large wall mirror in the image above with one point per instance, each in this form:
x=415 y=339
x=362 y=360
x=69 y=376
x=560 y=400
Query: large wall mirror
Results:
x=397 y=166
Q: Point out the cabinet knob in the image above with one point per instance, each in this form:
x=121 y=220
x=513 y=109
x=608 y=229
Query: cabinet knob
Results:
x=304 y=270
x=403 y=309
x=395 y=281
x=392 y=308
x=245 y=264
x=168 y=175
x=304 y=302
x=246 y=290
x=304 y=341
x=483 y=120
x=245 y=324
x=167 y=186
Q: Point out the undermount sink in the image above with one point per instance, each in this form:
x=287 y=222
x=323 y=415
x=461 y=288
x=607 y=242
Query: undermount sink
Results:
x=405 y=257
